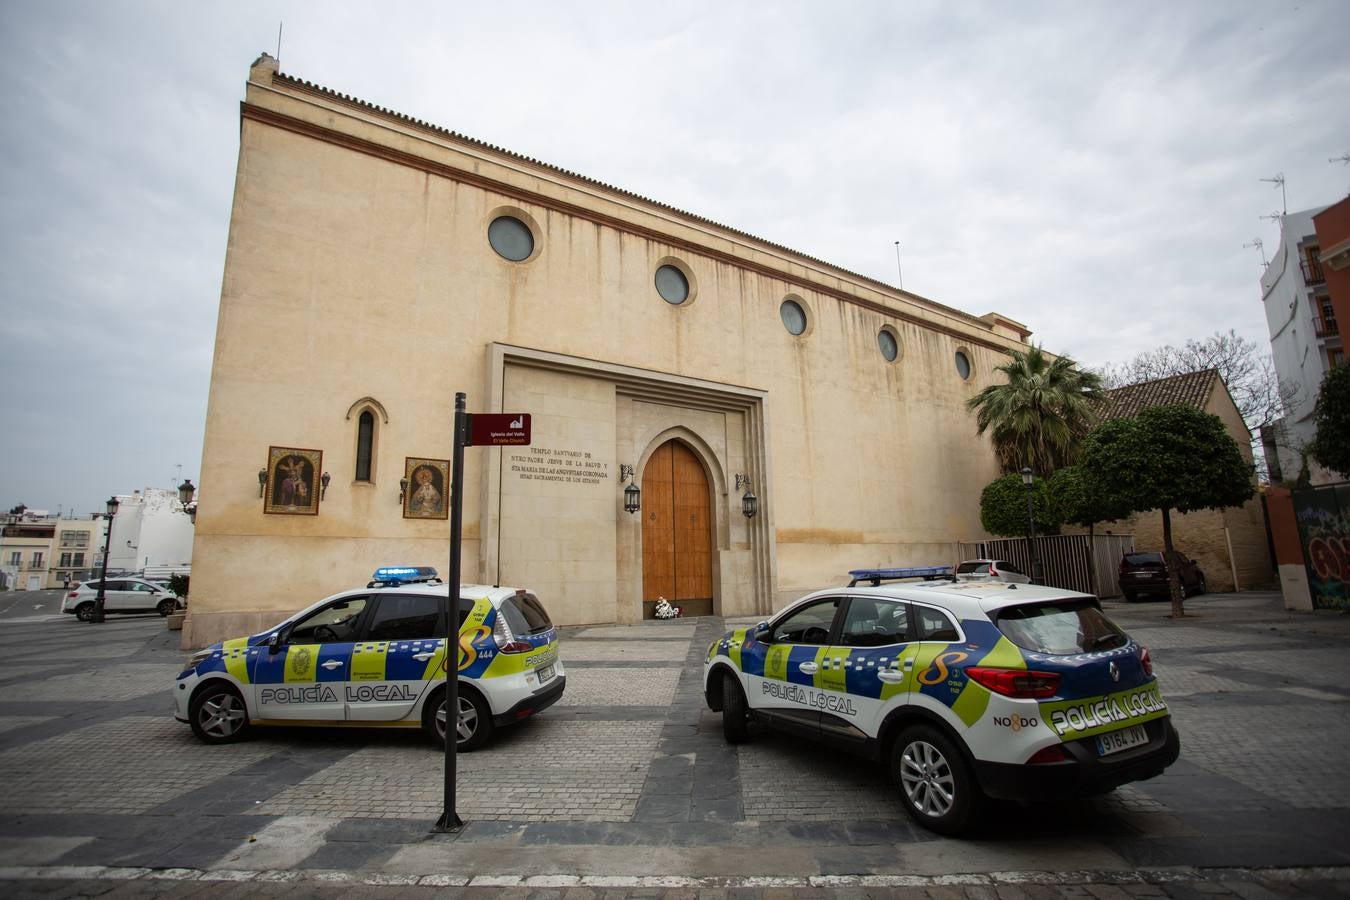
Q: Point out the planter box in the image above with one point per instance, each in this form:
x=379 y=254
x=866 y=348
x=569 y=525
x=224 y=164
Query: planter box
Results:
x=175 y=621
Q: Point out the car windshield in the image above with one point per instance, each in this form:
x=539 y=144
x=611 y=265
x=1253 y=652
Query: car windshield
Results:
x=1151 y=557
x=973 y=566
x=525 y=614
x=1063 y=628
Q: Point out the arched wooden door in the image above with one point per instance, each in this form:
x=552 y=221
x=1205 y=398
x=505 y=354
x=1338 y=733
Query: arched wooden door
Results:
x=676 y=532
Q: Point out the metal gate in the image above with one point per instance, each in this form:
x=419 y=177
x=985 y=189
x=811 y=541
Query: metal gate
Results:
x=1074 y=562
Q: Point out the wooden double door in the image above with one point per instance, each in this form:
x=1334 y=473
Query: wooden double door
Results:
x=676 y=532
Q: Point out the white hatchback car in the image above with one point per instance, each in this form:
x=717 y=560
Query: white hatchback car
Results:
x=122 y=595
x=375 y=657
x=991 y=570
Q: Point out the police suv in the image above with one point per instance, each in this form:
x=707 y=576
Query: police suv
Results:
x=966 y=690
x=376 y=657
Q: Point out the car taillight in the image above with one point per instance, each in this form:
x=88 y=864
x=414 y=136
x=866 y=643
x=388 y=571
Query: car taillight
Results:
x=1017 y=683
x=1145 y=660
x=993 y=573
x=1052 y=754
x=71 y=595
x=506 y=642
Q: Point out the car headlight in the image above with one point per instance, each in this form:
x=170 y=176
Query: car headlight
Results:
x=198 y=658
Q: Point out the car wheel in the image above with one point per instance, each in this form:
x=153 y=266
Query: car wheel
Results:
x=85 y=612
x=938 y=788
x=218 y=714
x=735 y=714
x=475 y=719
x=166 y=607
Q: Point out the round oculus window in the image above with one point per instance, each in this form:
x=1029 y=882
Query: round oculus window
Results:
x=962 y=365
x=511 y=238
x=672 y=285
x=793 y=316
x=890 y=348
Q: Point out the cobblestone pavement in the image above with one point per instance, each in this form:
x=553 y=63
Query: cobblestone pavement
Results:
x=626 y=788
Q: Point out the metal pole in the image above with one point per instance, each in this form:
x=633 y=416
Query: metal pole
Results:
x=103 y=577
x=450 y=820
x=1037 y=575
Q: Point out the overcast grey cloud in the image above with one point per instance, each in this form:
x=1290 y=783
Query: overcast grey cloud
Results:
x=1089 y=169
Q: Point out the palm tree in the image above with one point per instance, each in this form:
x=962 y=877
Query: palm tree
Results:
x=1039 y=417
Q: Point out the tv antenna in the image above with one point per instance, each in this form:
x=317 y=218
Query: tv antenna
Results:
x=1275 y=216
x=1259 y=245
x=1343 y=158
x=1279 y=179
x=279 y=24
x=898 y=270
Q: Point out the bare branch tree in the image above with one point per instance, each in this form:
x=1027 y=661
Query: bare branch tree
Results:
x=1248 y=372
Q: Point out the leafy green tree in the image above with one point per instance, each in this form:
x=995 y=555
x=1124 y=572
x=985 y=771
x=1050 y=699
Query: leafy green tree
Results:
x=1331 y=446
x=1166 y=458
x=179 y=585
x=1039 y=417
x=1075 y=499
x=1003 y=507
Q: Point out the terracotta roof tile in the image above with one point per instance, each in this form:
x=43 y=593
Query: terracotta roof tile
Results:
x=1190 y=389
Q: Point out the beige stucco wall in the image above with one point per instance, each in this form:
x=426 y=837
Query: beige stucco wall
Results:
x=351 y=276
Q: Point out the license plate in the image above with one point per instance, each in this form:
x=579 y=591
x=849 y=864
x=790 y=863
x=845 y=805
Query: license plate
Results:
x=545 y=674
x=1124 y=739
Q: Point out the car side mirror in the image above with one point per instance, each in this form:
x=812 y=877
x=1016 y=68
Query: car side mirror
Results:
x=760 y=632
x=274 y=641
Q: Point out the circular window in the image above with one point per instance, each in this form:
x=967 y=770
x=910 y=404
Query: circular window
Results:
x=793 y=316
x=511 y=238
x=890 y=347
x=672 y=285
x=962 y=365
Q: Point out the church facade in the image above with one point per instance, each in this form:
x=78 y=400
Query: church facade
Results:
x=376 y=265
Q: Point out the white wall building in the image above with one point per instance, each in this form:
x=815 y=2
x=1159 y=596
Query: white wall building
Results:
x=150 y=529
x=1303 y=340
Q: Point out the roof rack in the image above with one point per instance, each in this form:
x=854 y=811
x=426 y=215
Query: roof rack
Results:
x=877 y=576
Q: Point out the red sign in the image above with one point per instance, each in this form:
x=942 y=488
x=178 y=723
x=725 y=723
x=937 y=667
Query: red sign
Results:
x=498 y=429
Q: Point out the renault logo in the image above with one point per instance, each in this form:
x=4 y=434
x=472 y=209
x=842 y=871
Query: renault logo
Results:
x=1115 y=672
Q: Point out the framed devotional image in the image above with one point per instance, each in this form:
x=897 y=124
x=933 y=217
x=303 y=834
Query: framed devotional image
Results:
x=293 y=481
x=428 y=487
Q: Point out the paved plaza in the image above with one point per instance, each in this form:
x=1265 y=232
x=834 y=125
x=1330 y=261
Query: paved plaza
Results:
x=627 y=787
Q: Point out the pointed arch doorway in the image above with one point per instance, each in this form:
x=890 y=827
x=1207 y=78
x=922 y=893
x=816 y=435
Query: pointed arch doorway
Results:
x=676 y=532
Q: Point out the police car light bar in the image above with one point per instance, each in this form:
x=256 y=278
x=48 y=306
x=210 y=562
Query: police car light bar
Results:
x=877 y=576
x=389 y=575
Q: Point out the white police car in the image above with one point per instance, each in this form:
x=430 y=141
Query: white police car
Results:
x=373 y=657
x=965 y=690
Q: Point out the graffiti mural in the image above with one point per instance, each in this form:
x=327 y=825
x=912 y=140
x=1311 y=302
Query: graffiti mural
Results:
x=1323 y=515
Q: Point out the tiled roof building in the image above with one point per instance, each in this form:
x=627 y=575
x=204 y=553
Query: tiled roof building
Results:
x=1230 y=544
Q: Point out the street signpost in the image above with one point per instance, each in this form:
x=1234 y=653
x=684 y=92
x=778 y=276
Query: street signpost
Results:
x=477 y=430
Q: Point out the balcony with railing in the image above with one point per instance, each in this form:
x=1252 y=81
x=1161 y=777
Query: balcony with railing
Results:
x=1325 y=328
x=1312 y=270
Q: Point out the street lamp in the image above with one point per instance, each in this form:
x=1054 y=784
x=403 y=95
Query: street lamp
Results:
x=103 y=575
x=1037 y=574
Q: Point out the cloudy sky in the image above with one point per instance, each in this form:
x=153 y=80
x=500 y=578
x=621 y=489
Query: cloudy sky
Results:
x=1090 y=169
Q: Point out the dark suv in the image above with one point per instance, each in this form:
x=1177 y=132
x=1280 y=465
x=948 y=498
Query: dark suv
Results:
x=1144 y=572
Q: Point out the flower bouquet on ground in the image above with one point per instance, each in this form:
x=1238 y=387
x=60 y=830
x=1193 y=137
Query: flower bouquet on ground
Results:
x=664 y=609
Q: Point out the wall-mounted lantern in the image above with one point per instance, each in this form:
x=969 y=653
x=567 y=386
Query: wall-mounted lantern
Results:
x=749 y=502
x=402 y=490
x=186 y=491
x=632 y=495
x=323 y=484
x=262 y=481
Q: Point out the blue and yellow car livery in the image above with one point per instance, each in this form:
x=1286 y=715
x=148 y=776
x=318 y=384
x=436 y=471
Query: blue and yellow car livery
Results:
x=372 y=657
x=1018 y=691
